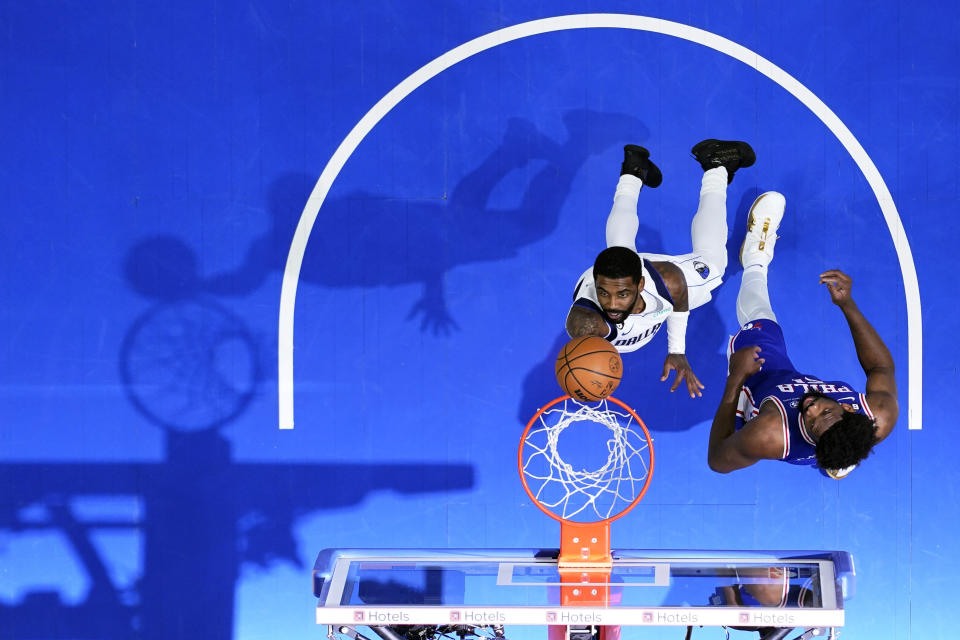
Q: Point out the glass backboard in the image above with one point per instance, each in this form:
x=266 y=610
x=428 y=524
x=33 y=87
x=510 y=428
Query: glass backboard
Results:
x=523 y=587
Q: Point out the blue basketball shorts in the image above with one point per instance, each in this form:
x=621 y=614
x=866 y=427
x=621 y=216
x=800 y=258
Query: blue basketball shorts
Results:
x=767 y=335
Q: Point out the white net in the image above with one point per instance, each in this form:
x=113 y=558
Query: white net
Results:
x=586 y=462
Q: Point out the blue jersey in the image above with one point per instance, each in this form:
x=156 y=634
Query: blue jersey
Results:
x=781 y=384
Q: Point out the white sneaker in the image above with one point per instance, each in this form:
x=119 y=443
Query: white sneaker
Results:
x=762 y=223
x=836 y=474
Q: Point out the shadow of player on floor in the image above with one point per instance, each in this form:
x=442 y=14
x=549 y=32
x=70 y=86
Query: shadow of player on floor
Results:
x=366 y=239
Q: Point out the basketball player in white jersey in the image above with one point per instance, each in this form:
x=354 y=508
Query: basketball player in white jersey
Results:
x=626 y=297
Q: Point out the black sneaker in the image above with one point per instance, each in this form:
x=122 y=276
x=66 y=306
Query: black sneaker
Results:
x=731 y=154
x=636 y=162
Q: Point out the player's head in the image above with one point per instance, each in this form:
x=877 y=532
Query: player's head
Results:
x=619 y=262
x=843 y=436
x=618 y=276
x=847 y=442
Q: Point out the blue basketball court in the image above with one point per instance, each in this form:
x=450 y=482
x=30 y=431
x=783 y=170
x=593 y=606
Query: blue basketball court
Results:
x=365 y=221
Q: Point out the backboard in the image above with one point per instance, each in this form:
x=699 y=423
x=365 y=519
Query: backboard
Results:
x=522 y=587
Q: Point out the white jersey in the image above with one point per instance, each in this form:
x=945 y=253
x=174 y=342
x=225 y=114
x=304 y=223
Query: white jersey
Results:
x=639 y=328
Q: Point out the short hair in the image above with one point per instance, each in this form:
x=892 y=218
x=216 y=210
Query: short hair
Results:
x=618 y=262
x=846 y=442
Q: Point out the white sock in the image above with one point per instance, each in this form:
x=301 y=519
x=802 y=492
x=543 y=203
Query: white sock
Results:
x=753 y=300
x=623 y=222
x=709 y=227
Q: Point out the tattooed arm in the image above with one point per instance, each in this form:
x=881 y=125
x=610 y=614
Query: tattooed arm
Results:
x=586 y=322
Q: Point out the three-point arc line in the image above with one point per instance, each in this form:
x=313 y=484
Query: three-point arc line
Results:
x=291 y=273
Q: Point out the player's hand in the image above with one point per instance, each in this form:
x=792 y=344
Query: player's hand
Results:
x=678 y=362
x=838 y=284
x=745 y=362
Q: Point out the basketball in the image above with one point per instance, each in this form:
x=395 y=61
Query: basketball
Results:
x=589 y=368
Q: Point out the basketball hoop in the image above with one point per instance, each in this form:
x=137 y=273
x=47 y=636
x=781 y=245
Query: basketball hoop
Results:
x=585 y=500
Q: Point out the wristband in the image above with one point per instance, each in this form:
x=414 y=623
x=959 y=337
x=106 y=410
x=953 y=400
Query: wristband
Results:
x=677 y=332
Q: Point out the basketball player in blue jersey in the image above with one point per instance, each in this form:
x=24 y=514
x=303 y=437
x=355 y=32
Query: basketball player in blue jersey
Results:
x=626 y=297
x=769 y=410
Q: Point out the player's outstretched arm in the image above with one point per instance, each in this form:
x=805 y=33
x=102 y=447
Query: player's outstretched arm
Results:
x=678 y=362
x=730 y=449
x=586 y=322
x=677 y=331
x=873 y=354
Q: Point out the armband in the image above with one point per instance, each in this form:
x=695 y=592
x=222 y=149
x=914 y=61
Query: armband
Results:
x=677 y=332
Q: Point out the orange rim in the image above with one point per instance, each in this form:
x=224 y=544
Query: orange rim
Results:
x=523 y=478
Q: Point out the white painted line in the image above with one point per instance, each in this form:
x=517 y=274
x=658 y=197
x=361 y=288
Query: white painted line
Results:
x=291 y=273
